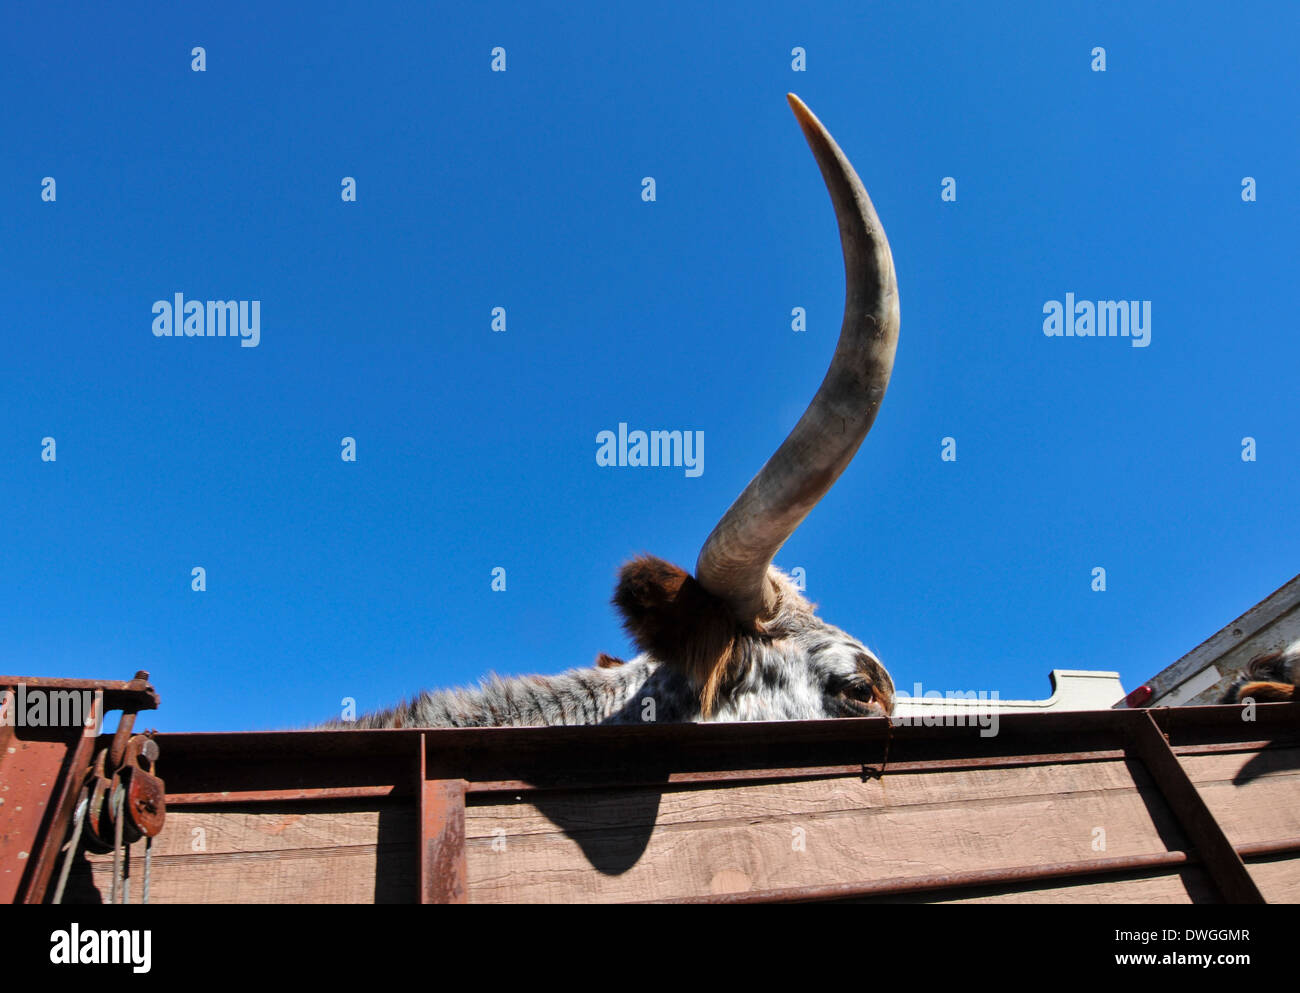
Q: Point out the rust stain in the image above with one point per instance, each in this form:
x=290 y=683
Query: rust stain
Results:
x=283 y=824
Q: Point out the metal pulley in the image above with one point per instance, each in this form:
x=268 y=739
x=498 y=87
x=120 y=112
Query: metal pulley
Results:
x=133 y=789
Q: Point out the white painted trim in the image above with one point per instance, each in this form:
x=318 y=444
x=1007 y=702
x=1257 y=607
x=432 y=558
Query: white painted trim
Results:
x=1072 y=689
x=1203 y=680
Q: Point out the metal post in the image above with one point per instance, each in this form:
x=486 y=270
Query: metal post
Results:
x=442 y=837
x=1194 y=817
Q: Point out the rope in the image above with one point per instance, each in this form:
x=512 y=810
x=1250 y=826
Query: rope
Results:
x=115 y=803
x=78 y=821
x=126 y=868
x=148 y=857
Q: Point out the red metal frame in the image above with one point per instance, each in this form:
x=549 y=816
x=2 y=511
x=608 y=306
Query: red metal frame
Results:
x=41 y=772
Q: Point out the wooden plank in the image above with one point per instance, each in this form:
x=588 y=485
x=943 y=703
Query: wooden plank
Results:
x=1255 y=796
x=1278 y=879
x=1245 y=765
x=295 y=854
x=611 y=809
x=645 y=844
x=295 y=877
x=237 y=831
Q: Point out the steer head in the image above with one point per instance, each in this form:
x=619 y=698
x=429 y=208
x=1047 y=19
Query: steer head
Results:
x=747 y=641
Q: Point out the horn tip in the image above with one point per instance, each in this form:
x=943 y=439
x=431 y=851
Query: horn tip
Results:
x=806 y=118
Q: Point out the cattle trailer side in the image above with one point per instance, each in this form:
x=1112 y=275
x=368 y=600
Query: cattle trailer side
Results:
x=1192 y=804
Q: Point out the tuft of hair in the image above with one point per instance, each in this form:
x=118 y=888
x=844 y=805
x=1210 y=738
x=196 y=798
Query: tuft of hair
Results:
x=604 y=661
x=1267 y=678
x=672 y=617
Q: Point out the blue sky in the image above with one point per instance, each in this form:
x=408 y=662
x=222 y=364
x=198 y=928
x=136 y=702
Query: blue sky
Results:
x=522 y=189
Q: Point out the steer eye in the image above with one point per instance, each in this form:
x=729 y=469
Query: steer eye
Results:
x=857 y=690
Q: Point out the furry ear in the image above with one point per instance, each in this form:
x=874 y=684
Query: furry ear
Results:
x=1265 y=678
x=1271 y=667
x=672 y=617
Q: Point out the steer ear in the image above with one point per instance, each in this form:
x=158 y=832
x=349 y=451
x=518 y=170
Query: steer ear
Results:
x=672 y=617
x=1267 y=677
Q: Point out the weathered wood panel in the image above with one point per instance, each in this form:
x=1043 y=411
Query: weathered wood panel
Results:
x=639 y=844
x=1277 y=878
x=1254 y=795
x=617 y=844
x=291 y=853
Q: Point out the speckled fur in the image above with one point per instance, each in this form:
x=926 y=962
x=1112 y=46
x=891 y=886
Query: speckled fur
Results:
x=798 y=668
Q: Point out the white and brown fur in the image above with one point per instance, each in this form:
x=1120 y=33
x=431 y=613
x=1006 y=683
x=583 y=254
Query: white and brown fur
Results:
x=695 y=664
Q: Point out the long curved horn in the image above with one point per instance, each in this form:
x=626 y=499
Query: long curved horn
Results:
x=734 y=560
